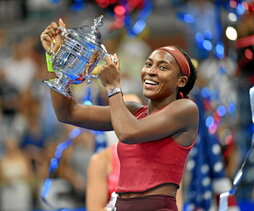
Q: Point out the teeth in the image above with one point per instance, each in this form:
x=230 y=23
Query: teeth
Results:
x=150 y=82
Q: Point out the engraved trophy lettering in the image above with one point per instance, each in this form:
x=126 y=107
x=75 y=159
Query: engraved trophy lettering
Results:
x=75 y=60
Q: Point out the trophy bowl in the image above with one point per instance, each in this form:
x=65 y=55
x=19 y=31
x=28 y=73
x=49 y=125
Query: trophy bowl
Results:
x=77 y=57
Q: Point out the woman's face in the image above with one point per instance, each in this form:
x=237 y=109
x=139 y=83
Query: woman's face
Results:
x=160 y=75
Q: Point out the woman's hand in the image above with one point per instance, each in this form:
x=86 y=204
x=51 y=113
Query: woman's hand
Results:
x=110 y=73
x=52 y=36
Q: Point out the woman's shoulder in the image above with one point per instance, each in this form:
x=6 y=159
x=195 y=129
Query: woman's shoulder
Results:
x=100 y=158
x=186 y=104
x=184 y=109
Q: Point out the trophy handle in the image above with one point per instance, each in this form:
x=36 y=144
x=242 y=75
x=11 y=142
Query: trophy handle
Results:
x=88 y=73
x=88 y=78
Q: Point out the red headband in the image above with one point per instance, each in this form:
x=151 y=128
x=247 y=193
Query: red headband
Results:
x=180 y=59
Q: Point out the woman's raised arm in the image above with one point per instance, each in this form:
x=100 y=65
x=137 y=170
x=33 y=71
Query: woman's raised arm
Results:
x=67 y=110
x=87 y=116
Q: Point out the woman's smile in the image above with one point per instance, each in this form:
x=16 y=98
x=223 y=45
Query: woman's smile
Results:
x=159 y=75
x=150 y=84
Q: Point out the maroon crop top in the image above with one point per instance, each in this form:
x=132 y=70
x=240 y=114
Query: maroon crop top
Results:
x=146 y=165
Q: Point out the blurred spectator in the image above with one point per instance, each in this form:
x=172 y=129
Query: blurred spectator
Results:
x=217 y=82
x=205 y=174
x=203 y=22
x=69 y=180
x=244 y=44
x=20 y=69
x=218 y=76
x=17 y=74
x=132 y=53
x=75 y=162
x=245 y=52
x=16 y=177
x=60 y=192
x=33 y=139
x=4 y=47
x=11 y=121
x=103 y=174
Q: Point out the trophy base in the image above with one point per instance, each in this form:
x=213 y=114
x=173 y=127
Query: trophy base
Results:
x=54 y=84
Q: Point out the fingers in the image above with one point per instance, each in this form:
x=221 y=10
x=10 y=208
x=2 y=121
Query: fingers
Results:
x=53 y=28
x=108 y=60
x=54 y=25
x=52 y=35
x=45 y=37
x=46 y=42
x=112 y=60
x=61 y=23
x=116 y=60
x=115 y=56
x=49 y=33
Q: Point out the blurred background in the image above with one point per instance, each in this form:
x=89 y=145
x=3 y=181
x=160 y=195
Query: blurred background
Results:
x=218 y=35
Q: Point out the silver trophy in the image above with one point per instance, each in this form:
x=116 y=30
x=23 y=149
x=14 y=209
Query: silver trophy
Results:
x=75 y=60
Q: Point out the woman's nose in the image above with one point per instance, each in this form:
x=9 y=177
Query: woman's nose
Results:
x=152 y=70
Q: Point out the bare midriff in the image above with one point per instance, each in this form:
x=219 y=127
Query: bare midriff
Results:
x=165 y=189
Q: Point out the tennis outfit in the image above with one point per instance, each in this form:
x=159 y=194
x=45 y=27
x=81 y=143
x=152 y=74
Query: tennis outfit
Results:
x=147 y=165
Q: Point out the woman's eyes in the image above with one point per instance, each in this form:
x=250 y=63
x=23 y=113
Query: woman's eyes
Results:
x=148 y=64
x=163 y=67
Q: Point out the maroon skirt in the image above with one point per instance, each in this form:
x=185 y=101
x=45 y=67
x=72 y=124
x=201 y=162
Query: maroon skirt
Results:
x=147 y=203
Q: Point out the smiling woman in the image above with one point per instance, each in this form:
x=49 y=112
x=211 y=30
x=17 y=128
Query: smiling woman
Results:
x=189 y=76
x=154 y=139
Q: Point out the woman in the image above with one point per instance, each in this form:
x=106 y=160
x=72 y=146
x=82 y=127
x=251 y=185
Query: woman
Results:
x=102 y=178
x=154 y=140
